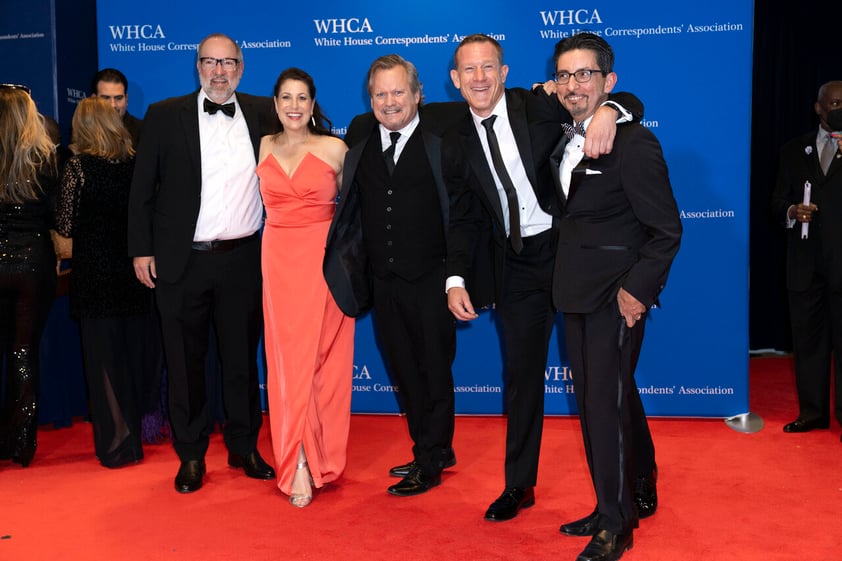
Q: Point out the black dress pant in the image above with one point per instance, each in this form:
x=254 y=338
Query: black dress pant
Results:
x=526 y=311
x=223 y=287
x=417 y=335
x=603 y=355
x=816 y=318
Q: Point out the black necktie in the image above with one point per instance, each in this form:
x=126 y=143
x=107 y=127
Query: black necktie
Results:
x=212 y=107
x=389 y=153
x=572 y=131
x=508 y=186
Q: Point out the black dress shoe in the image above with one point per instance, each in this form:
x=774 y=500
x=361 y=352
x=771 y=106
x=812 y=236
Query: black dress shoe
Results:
x=414 y=483
x=646 y=494
x=252 y=464
x=510 y=502
x=806 y=425
x=583 y=527
x=605 y=546
x=403 y=470
x=189 y=476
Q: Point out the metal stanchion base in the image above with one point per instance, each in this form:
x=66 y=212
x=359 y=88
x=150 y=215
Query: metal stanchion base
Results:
x=747 y=422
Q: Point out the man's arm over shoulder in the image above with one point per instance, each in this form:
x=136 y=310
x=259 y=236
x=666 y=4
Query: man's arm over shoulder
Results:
x=442 y=116
x=359 y=129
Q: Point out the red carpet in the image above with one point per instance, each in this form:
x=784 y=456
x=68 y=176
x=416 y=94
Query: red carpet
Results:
x=724 y=496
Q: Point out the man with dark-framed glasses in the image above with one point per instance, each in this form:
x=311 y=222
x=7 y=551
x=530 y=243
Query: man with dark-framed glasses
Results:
x=194 y=230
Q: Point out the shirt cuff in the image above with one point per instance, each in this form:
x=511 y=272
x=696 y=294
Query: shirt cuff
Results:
x=625 y=115
x=789 y=222
x=454 y=281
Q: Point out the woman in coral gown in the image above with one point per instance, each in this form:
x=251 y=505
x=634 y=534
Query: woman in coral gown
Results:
x=309 y=342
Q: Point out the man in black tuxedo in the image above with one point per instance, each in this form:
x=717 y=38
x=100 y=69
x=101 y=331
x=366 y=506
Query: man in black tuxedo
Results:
x=814 y=259
x=619 y=232
x=194 y=219
x=387 y=247
x=503 y=202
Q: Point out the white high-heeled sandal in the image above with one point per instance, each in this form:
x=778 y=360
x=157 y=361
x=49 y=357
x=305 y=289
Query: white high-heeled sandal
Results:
x=302 y=500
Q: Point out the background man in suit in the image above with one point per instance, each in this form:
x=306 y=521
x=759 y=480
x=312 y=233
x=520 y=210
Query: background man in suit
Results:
x=387 y=246
x=194 y=220
x=814 y=260
x=504 y=188
x=619 y=232
x=111 y=85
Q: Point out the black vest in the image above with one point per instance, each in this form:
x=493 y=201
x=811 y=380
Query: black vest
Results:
x=401 y=214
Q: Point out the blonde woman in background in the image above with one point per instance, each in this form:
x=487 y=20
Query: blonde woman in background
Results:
x=27 y=264
x=113 y=308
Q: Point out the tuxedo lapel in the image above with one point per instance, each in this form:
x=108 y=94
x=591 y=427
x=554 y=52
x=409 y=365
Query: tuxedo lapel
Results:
x=520 y=129
x=189 y=115
x=555 y=160
x=432 y=146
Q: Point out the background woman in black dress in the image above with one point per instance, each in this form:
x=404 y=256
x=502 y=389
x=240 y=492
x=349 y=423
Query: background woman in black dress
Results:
x=27 y=264
x=113 y=308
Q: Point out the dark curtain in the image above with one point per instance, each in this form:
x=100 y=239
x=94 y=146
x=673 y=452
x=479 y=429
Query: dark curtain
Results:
x=796 y=50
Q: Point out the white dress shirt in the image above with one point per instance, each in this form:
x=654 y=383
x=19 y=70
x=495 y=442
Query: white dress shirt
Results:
x=573 y=154
x=231 y=207
x=533 y=220
x=406 y=132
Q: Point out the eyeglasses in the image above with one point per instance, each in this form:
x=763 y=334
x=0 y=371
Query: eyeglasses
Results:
x=209 y=63
x=581 y=76
x=16 y=87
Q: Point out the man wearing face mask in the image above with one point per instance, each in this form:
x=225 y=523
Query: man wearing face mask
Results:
x=194 y=230
x=812 y=163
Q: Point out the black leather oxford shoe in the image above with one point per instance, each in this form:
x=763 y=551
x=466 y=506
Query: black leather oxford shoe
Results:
x=646 y=494
x=189 y=476
x=252 y=464
x=510 y=502
x=403 y=470
x=806 y=425
x=414 y=483
x=605 y=546
x=583 y=527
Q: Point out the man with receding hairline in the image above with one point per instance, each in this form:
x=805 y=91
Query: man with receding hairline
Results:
x=195 y=215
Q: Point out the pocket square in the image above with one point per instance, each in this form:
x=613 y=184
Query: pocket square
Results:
x=590 y=171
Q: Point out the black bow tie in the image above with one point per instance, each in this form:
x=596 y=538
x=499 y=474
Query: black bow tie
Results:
x=227 y=108
x=571 y=131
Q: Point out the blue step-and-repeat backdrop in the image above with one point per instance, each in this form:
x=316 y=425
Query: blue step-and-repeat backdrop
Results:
x=690 y=64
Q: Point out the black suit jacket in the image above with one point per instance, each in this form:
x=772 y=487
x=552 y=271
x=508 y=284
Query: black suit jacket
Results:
x=346 y=266
x=535 y=120
x=620 y=225
x=167 y=182
x=134 y=126
x=822 y=250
